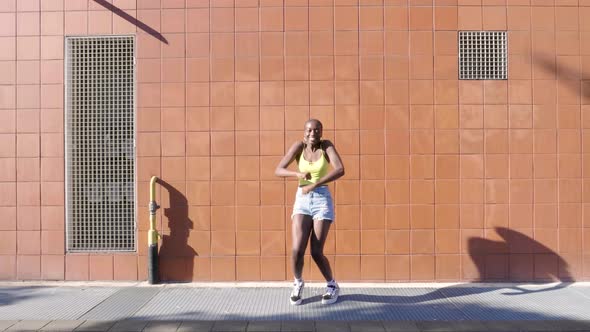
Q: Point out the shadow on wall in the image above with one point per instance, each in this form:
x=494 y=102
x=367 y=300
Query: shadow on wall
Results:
x=575 y=79
x=516 y=257
x=176 y=257
x=132 y=20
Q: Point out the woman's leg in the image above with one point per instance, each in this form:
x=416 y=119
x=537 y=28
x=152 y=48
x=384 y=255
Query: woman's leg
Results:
x=318 y=239
x=301 y=228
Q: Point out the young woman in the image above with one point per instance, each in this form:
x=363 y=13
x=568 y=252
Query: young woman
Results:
x=313 y=211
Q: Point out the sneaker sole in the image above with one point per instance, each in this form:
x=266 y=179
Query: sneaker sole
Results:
x=298 y=302
x=330 y=301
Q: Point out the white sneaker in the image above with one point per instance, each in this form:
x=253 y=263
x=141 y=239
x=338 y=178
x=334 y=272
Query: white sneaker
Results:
x=331 y=294
x=297 y=293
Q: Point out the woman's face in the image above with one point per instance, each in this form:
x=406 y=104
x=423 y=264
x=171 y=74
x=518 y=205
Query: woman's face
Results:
x=313 y=132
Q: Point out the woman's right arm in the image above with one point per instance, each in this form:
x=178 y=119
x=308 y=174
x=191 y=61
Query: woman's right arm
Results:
x=291 y=155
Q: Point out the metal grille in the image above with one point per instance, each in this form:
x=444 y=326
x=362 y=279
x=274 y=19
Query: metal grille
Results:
x=483 y=55
x=100 y=149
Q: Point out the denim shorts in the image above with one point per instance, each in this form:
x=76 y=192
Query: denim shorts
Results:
x=317 y=203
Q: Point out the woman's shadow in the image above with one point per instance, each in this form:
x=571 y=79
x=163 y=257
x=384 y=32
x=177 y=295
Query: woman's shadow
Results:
x=513 y=242
x=176 y=257
x=480 y=251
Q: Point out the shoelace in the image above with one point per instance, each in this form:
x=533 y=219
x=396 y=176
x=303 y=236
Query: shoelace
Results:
x=330 y=290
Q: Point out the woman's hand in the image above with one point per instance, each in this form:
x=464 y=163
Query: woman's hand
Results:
x=303 y=176
x=306 y=189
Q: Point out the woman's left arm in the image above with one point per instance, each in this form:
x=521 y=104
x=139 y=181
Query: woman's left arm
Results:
x=337 y=170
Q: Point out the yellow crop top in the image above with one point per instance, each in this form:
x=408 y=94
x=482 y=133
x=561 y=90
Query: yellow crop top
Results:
x=317 y=169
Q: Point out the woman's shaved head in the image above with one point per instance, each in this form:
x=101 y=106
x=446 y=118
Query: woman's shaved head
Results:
x=315 y=121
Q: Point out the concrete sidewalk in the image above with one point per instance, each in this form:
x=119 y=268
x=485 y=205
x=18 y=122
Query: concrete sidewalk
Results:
x=71 y=306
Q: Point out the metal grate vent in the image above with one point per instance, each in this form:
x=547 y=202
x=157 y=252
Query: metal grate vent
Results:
x=100 y=152
x=482 y=55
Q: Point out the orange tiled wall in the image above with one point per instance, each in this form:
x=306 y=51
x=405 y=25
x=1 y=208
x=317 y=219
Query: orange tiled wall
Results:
x=446 y=180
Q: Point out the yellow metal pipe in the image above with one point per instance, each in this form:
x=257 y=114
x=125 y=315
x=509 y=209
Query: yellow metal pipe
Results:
x=153 y=235
x=153 y=188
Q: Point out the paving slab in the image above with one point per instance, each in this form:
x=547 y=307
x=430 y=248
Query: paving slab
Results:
x=400 y=326
x=62 y=325
x=573 y=325
x=95 y=326
x=196 y=326
x=230 y=326
x=367 y=326
x=5 y=324
x=436 y=326
x=332 y=326
x=162 y=326
x=129 y=326
x=299 y=326
x=320 y=326
x=470 y=326
x=28 y=325
x=538 y=326
x=501 y=326
x=263 y=326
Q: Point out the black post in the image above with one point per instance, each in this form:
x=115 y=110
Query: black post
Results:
x=153 y=236
x=153 y=264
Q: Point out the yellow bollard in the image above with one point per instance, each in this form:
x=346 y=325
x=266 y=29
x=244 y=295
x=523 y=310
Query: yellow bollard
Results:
x=153 y=235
